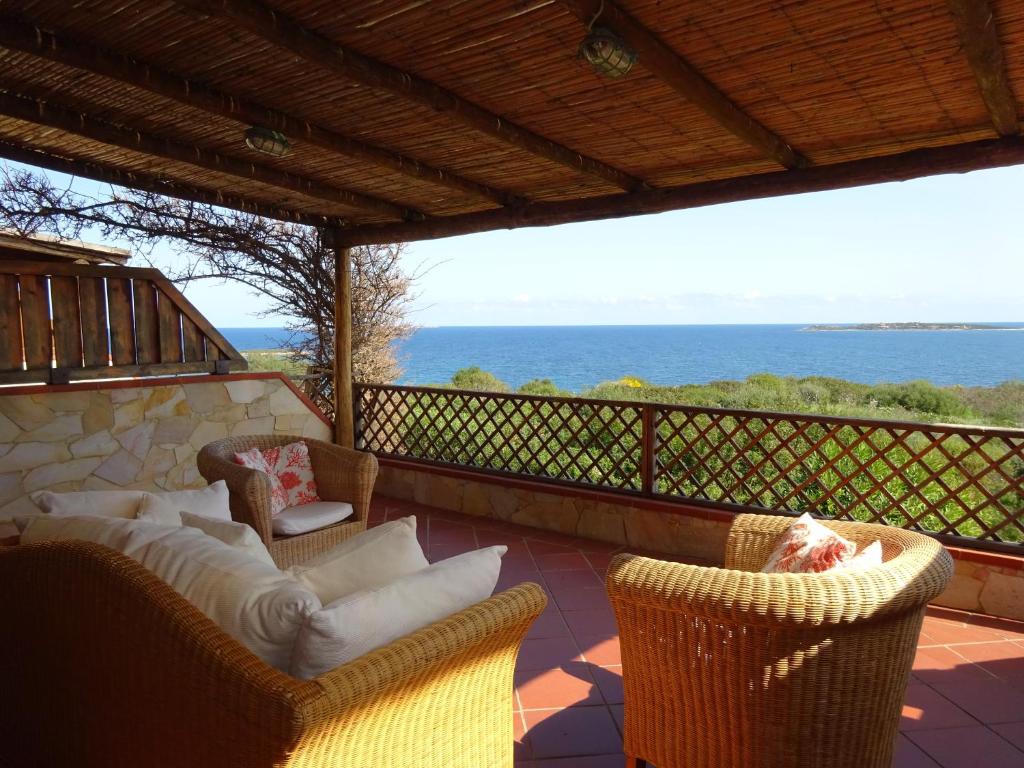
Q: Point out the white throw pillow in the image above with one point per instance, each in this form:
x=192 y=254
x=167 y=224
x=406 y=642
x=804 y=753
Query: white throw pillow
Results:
x=252 y=601
x=234 y=534
x=869 y=557
x=153 y=509
x=291 y=521
x=361 y=622
x=102 y=503
x=211 y=501
x=370 y=559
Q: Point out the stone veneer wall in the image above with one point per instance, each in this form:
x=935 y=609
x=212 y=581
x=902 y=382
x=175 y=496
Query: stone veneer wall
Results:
x=141 y=434
x=983 y=582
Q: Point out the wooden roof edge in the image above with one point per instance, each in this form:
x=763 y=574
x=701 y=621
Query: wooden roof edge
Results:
x=287 y=34
x=151 y=183
x=73 y=121
x=33 y=40
x=674 y=70
x=913 y=164
x=49 y=245
x=975 y=23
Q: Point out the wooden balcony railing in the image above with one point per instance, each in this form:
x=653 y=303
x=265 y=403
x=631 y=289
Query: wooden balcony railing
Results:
x=965 y=484
x=61 y=322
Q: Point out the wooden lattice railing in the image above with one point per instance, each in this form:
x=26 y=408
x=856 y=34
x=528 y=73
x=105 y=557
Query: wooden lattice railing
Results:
x=964 y=483
x=318 y=385
x=61 y=322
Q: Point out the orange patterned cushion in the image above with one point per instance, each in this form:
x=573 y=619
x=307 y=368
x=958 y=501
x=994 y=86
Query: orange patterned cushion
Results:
x=807 y=546
x=291 y=474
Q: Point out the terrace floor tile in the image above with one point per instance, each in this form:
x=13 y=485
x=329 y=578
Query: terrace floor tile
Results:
x=964 y=706
x=970 y=747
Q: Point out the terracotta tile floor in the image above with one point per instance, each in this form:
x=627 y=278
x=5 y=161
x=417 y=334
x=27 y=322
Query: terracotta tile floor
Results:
x=964 y=706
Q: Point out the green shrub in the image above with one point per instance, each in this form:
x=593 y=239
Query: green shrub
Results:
x=272 y=360
x=920 y=397
x=478 y=380
x=542 y=387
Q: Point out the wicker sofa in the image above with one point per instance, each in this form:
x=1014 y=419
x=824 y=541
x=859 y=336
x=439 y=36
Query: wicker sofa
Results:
x=732 y=667
x=111 y=667
x=342 y=474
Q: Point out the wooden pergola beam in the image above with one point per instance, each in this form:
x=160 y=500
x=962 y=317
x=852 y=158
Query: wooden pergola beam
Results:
x=80 y=124
x=150 y=183
x=32 y=40
x=281 y=31
x=663 y=62
x=957 y=158
x=976 y=24
x=344 y=413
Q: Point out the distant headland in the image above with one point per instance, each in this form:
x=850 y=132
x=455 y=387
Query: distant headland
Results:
x=913 y=327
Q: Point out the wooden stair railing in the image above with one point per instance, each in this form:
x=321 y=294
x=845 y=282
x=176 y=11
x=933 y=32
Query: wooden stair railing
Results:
x=63 y=322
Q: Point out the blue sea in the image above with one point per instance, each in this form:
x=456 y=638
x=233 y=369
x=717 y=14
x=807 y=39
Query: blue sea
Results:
x=578 y=357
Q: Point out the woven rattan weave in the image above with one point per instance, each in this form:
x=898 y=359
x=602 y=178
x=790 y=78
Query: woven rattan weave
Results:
x=732 y=668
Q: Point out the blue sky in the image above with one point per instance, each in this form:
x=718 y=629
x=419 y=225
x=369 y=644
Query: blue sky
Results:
x=945 y=248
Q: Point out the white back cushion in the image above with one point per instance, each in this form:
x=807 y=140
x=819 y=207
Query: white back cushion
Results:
x=369 y=559
x=211 y=501
x=252 y=601
x=363 y=621
x=153 y=509
x=237 y=535
x=103 y=503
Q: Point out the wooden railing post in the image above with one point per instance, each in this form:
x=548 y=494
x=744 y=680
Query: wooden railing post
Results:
x=647 y=452
x=359 y=440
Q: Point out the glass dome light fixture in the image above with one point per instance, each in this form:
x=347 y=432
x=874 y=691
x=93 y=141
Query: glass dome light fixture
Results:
x=605 y=51
x=268 y=142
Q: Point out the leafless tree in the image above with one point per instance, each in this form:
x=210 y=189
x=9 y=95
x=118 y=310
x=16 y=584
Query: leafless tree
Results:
x=291 y=265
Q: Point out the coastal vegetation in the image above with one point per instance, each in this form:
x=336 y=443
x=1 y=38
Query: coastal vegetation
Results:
x=1002 y=405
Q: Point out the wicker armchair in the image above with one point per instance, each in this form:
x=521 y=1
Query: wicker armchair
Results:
x=110 y=667
x=341 y=475
x=731 y=667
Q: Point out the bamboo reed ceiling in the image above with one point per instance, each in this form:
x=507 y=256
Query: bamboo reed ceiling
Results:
x=423 y=118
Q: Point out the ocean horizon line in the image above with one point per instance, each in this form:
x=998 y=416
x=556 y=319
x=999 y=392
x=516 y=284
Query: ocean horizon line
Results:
x=431 y=326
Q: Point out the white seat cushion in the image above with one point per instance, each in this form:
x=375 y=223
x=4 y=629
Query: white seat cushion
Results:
x=252 y=601
x=370 y=559
x=292 y=521
x=371 y=618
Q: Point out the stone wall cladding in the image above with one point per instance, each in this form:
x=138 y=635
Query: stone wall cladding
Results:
x=996 y=590
x=578 y=515
x=137 y=437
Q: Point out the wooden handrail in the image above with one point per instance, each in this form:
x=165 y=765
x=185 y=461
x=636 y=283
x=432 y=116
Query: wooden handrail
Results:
x=64 y=321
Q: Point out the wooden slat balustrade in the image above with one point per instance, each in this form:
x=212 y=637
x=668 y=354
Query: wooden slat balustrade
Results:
x=63 y=322
x=961 y=483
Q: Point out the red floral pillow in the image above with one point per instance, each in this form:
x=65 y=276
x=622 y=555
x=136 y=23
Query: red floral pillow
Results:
x=291 y=474
x=807 y=546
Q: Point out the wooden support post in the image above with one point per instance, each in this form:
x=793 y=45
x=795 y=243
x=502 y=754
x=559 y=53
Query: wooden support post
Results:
x=344 y=432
